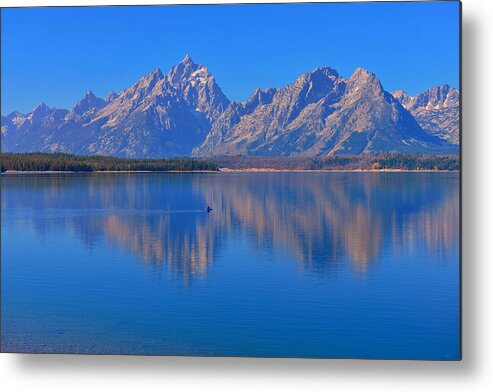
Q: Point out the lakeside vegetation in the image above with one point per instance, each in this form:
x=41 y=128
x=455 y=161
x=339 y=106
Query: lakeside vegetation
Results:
x=87 y=163
x=379 y=161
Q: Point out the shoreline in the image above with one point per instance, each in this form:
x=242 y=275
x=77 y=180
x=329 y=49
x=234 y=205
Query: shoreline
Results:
x=104 y=171
x=227 y=170
x=267 y=170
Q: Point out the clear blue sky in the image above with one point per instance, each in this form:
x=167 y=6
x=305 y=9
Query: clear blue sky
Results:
x=54 y=55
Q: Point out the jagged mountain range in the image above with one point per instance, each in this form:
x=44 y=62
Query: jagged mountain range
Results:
x=185 y=112
x=436 y=110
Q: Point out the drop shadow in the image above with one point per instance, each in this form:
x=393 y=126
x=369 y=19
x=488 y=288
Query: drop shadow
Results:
x=251 y=367
x=471 y=180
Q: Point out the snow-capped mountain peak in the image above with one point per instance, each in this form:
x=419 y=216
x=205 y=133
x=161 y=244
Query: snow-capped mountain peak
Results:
x=185 y=112
x=436 y=110
x=88 y=103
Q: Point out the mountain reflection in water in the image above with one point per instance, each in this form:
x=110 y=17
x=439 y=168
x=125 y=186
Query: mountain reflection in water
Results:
x=322 y=220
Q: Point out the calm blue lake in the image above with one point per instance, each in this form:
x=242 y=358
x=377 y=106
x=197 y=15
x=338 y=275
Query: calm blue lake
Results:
x=360 y=265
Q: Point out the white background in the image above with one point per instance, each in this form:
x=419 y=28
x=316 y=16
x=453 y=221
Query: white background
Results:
x=474 y=373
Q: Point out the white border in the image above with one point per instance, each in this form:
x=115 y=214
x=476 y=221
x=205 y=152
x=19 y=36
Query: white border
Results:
x=94 y=373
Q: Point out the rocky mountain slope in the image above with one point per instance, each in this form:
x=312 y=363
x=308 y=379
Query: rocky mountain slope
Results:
x=319 y=114
x=436 y=110
x=185 y=113
x=158 y=116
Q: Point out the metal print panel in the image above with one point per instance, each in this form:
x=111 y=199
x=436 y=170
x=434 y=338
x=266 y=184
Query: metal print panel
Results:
x=236 y=180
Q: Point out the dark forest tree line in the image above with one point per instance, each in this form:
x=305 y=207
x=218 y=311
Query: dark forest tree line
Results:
x=379 y=161
x=83 y=163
